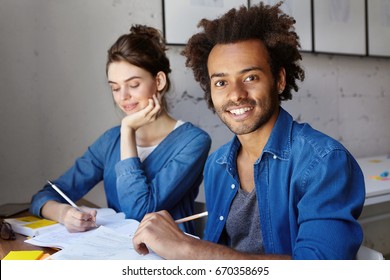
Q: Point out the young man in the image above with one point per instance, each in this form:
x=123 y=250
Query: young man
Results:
x=278 y=189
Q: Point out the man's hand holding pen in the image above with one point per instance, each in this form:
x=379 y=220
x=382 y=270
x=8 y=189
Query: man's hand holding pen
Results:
x=159 y=232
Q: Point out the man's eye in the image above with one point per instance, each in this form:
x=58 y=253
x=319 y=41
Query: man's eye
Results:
x=250 y=78
x=115 y=89
x=220 y=83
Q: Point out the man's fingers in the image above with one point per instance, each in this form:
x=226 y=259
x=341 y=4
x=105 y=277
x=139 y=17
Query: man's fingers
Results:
x=140 y=247
x=145 y=231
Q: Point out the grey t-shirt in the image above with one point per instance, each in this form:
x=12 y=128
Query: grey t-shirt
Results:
x=242 y=229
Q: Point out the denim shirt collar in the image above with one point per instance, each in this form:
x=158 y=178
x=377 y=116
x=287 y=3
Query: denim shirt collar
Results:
x=278 y=144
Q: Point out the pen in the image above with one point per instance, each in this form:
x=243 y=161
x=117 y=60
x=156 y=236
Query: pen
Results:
x=193 y=217
x=64 y=196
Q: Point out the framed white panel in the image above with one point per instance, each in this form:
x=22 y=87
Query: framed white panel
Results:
x=300 y=10
x=181 y=17
x=378 y=27
x=340 y=26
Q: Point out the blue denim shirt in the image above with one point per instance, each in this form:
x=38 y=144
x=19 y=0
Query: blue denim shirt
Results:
x=310 y=193
x=168 y=178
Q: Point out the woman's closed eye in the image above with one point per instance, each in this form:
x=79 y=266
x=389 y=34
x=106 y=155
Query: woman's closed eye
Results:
x=133 y=85
x=116 y=89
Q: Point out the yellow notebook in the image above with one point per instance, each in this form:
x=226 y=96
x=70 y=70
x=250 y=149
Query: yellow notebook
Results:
x=24 y=255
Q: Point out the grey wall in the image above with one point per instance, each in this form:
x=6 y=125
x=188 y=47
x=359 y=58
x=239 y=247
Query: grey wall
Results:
x=54 y=100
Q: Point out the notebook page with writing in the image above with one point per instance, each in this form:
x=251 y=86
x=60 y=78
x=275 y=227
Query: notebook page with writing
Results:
x=104 y=244
x=59 y=237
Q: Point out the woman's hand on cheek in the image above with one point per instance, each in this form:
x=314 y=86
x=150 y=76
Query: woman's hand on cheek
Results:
x=145 y=115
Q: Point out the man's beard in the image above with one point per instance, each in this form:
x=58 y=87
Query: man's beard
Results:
x=267 y=111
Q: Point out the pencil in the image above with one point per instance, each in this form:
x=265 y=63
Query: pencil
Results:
x=64 y=196
x=193 y=217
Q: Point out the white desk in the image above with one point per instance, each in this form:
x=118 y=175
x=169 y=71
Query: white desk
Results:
x=377 y=188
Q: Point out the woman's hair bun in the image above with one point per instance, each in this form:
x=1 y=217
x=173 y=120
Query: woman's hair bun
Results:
x=149 y=33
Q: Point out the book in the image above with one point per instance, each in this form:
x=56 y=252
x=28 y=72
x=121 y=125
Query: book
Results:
x=31 y=225
x=24 y=255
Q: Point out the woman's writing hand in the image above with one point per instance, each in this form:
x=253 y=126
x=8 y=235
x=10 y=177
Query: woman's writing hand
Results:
x=77 y=221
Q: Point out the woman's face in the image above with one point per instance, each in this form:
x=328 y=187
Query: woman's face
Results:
x=131 y=86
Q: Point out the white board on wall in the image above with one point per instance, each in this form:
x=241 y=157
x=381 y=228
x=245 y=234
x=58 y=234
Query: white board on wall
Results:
x=378 y=27
x=181 y=17
x=339 y=26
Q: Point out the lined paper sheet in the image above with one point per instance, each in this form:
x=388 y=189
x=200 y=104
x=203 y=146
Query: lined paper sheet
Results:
x=104 y=244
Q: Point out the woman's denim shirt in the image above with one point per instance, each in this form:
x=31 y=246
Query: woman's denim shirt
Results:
x=310 y=193
x=168 y=178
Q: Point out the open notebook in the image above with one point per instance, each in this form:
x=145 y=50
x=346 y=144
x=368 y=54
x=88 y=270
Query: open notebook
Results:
x=111 y=240
x=59 y=237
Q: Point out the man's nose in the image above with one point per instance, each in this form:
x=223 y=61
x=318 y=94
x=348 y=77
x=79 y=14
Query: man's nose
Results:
x=237 y=92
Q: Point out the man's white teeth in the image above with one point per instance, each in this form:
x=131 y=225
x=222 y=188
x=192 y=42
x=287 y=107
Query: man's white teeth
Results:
x=239 y=111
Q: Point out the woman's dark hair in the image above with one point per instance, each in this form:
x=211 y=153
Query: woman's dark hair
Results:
x=143 y=47
x=263 y=22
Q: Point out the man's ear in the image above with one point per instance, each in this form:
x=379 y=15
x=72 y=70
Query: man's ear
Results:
x=161 y=81
x=281 y=84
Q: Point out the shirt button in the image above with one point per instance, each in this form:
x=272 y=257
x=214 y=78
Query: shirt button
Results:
x=221 y=218
x=233 y=186
x=275 y=157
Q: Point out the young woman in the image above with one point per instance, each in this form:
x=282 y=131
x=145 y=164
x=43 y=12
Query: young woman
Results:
x=148 y=163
